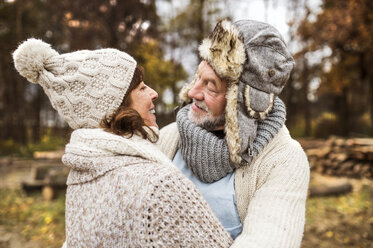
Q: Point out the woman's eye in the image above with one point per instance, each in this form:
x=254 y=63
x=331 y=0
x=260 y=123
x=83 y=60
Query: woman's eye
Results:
x=143 y=88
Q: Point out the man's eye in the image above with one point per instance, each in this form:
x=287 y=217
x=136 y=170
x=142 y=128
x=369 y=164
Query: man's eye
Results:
x=211 y=87
x=212 y=90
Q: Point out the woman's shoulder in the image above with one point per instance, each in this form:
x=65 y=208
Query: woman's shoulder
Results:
x=169 y=139
x=170 y=127
x=169 y=132
x=149 y=172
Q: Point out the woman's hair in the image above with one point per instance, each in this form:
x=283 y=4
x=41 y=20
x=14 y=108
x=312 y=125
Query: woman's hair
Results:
x=126 y=120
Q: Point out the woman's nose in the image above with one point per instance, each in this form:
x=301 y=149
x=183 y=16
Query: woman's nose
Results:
x=153 y=94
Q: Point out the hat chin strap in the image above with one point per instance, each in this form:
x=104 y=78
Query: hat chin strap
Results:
x=254 y=113
x=245 y=106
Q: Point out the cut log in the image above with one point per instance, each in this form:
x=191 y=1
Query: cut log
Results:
x=48 y=154
x=347 y=165
x=48 y=193
x=361 y=142
x=323 y=190
x=319 y=152
x=342 y=157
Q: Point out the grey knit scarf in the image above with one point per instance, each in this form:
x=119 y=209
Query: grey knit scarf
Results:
x=207 y=155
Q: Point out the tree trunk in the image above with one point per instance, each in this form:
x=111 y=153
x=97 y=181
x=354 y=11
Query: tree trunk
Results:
x=307 y=109
x=370 y=100
x=287 y=96
x=113 y=39
x=343 y=112
x=2 y=102
x=366 y=78
x=17 y=124
x=201 y=31
x=307 y=116
x=36 y=108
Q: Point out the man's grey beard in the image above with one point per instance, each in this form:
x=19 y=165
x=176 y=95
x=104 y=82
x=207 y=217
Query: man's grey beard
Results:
x=207 y=121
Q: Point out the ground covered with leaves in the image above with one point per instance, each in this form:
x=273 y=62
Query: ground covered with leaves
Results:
x=340 y=221
x=335 y=221
x=29 y=219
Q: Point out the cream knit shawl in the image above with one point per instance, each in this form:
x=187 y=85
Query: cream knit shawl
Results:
x=123 y=192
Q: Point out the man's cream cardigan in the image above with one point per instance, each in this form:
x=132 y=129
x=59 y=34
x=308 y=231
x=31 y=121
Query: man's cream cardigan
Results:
x=271 y=193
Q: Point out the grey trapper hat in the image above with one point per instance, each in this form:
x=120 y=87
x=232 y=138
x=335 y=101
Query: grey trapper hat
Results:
x=253 y=58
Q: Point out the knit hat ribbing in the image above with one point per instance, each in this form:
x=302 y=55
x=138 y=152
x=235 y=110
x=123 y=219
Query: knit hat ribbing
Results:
x=253 y=57
x=208 y=156
x=83 y=86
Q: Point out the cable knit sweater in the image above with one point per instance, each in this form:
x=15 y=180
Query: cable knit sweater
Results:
x=123 y=192
x=271 y=193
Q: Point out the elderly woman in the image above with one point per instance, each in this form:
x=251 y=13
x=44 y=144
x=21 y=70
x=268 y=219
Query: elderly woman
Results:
x=122 y=191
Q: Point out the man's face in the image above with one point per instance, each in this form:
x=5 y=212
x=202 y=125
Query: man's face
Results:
x=209 y=101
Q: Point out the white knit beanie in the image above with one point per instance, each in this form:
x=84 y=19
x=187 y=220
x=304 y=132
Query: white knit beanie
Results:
x=83 y=86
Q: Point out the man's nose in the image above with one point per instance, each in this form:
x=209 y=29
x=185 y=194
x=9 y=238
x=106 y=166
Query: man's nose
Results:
x=196 y=92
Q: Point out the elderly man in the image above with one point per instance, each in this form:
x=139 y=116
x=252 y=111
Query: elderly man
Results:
x=231 y=140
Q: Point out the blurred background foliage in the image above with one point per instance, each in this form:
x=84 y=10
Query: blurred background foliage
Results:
x=33 y=217
x=343 y=76
x=330 y=90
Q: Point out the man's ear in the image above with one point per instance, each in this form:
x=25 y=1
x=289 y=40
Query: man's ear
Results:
x=183 y=95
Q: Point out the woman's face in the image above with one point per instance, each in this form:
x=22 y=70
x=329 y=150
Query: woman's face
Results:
x=141 y=99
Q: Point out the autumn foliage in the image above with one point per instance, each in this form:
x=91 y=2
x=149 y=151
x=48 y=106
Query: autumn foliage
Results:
x=343 y=29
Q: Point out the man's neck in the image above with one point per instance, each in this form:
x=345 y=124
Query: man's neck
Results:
x=218 y=133
x=219 y=128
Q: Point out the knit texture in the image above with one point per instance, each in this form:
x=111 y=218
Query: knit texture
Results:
x=83 y=86
x=271 y=193
x=123 y=192
x=253 y=58
x=208 y=156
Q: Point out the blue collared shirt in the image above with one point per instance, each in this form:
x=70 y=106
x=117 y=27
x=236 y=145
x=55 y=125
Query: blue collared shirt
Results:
x=220 y=195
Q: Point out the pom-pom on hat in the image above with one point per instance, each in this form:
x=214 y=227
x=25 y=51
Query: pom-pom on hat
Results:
x=83 y=86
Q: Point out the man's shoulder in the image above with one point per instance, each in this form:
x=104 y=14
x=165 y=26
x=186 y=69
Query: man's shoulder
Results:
x=284 y=146
x=284 y=140
x=282 y=157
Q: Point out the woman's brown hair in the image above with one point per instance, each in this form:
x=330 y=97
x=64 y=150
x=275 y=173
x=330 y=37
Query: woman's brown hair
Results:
x=126 y=120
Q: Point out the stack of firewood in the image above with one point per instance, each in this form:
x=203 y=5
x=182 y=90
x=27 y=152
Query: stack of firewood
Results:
x=343 y=157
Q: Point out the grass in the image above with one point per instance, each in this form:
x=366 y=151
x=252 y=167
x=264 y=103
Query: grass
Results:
x=36 y=219
x=340 y=221
x=337 y=221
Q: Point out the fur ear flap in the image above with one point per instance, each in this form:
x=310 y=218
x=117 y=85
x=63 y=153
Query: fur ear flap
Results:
x=224 y=51
x=183 y=95
x=231 y=124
